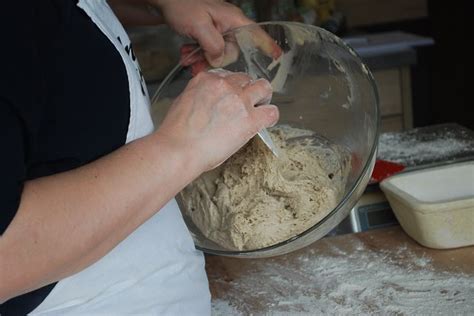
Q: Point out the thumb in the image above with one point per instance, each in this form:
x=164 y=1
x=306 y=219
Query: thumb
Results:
x=211 y=42
x=265 y=116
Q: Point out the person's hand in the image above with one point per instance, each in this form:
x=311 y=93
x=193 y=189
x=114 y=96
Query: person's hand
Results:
x=205 y=21
x=216 y=115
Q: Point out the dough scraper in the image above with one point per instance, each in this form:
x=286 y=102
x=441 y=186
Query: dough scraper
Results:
x=258 y=71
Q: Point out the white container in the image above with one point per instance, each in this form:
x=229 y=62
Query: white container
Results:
x=435 y=206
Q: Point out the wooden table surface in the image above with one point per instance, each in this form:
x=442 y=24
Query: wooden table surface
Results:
x=380 y=271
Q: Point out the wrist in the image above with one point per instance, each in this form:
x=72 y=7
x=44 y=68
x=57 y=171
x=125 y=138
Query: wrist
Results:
x=179 y=156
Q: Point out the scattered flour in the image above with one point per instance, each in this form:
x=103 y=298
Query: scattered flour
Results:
x=409 y=150
x=364 y=282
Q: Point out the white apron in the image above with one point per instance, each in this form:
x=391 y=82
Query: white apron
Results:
x=156 y=270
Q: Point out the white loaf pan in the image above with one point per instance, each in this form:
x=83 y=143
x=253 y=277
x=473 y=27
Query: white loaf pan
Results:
x=435 y=206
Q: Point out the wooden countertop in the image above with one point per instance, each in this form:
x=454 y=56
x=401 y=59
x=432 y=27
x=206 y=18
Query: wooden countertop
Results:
x=380 y=271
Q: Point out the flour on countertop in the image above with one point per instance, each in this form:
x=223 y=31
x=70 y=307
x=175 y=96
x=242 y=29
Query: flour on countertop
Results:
x=363 y=282
x=409 y=150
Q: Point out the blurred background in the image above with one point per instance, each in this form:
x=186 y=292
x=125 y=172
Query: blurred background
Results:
x=414 y=47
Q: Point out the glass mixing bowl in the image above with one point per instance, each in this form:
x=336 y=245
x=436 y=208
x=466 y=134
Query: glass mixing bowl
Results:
x=320 y=85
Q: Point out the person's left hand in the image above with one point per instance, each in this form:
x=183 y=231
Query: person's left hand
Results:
x=205 y=21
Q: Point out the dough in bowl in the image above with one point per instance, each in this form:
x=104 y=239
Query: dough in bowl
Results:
x=255 y=199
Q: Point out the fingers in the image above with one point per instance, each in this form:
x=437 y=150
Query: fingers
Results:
x=211 y=42
x=232 y=17
x=197 y=62
x=193 y=59
x=231 y=53
x=259 y=92
x=255 y=96
x=239 y=80
x=188 y=56
x=266 y=43
x=264 y=116
x=253 y=92
x=222 y=18
x=199 y=66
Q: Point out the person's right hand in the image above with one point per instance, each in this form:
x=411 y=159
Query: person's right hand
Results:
x=216 y=115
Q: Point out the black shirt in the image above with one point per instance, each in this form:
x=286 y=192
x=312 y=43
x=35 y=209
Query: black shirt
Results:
x=64 y=102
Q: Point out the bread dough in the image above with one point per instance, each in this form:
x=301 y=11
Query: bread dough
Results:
x=255 y=199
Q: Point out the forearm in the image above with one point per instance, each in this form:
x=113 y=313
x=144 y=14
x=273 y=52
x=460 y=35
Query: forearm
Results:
x=68 y=221
x=136 y=12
